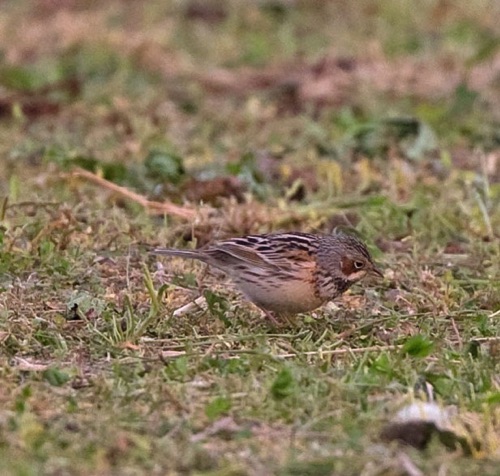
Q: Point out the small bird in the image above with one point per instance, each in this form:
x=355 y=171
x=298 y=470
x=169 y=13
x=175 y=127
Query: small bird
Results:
x=287 y=273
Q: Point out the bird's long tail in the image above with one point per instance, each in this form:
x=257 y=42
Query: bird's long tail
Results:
x=188 y=254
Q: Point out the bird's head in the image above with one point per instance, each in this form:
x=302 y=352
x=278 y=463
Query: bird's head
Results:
x=350 y=259
x=356 y=266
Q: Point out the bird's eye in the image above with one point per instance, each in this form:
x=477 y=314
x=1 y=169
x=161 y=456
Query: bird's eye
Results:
x=359 y=264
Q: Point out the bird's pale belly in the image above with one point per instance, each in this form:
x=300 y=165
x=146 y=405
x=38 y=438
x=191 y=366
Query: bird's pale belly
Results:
x=285 y=298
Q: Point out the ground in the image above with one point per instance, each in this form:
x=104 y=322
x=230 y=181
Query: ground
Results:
x=130 y=125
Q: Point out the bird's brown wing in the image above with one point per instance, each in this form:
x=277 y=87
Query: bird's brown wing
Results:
x=233 y=254
x=261 y=252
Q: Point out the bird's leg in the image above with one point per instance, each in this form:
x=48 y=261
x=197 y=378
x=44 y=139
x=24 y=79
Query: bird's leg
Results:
x=200 y=279
x=271 y=317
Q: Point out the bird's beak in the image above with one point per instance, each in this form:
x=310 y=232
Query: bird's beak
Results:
x=377 y=272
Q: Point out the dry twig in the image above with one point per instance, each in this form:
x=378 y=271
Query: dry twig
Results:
x=151 y=206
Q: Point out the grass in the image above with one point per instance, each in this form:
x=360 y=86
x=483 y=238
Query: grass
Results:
x=260 y=117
